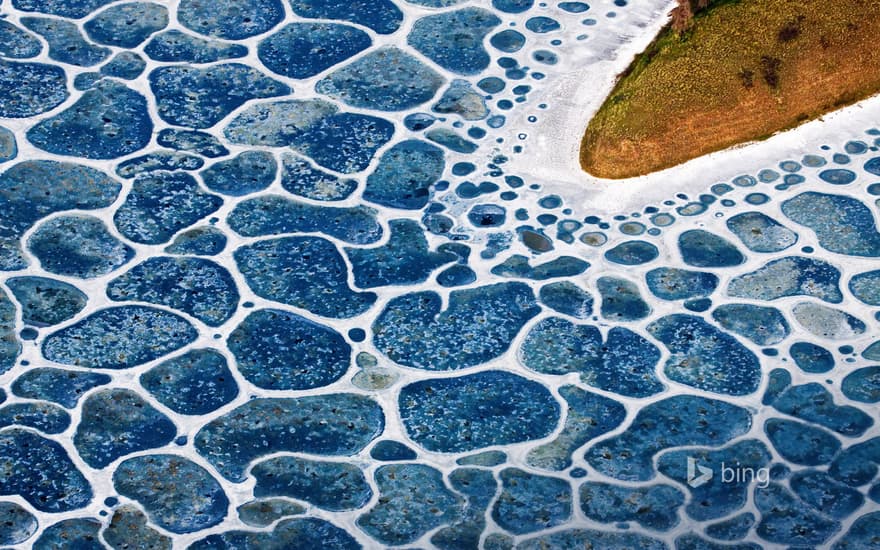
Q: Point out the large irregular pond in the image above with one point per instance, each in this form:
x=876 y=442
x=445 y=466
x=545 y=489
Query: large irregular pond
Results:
x=268 y=281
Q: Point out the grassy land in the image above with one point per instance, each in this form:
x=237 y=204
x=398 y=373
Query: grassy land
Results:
x=743 y=71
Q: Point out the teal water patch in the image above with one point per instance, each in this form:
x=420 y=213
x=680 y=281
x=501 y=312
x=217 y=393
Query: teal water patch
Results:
x=387 y=79
x=29 y=89
x=16 y=43
x=765 y=326
x=383 y=16
x=108 y=121
x=191 y=97
x=9 y=344
x=127 y=25
x=119 y=338
x=761 y=233
x=66 y=42
x=43 y=473
x=300 y=177
x=589 y=416
x=329 y=44
x=228 y=19
x=265 y=512
x=282 y=351
x=704 y=357
x=454 y=40
x=315 y=276
x=328 y=485
x=531 y=502
x=57 y=385
x=195 y=286
x=129 y=523
x=177 y=494
x=44 y=417
x=624 y=363
x=82 y=532
x=405 y=174
x=78 y=246
x=174 y=45
x=18 y=524
x=671 y=422
x=703 y=249
x=842 y=224
x=476 y=411
x=295 y=534
x=478 y=326
x=199 y=241
x=197 y=382
x=404 y=260
x=161 y=204
x=116 y=423
x=345 y=142
x=329 y=424
x=397 y=521
x=621 y=300
x=153 y=162
x=791 y=276
x=717 y=497
x=246 y=173
x=680 y=284
x=274 y=215
x=654 y=507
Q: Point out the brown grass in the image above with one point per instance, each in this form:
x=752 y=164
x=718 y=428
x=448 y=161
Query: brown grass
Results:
x=744 y=71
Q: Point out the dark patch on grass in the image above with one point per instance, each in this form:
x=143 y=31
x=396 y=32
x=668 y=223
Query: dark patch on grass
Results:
x=791 y=30
x=770 y=70
x=747 y=77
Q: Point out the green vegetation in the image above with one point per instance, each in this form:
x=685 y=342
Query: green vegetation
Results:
x=732 y=71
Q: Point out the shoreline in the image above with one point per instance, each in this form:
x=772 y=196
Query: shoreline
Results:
x=556 y=137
